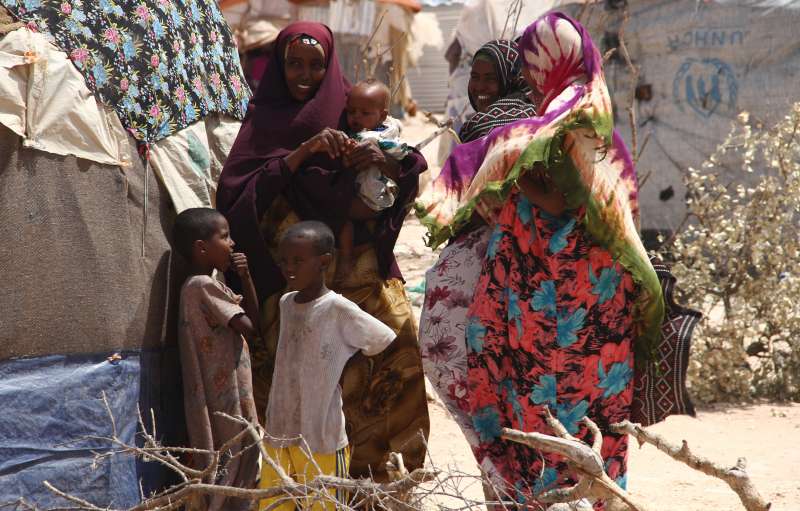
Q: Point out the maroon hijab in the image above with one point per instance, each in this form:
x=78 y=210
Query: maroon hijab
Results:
x=276 y=124
x=255 y=173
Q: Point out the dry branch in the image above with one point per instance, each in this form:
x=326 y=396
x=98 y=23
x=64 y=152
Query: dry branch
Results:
x=735 y=477
x=584 y=460
x=391 y=495
x=413 y=491
x=20 y=504
x=448 y=127
x=634 y=82
x=366 y=47
x=445 y=126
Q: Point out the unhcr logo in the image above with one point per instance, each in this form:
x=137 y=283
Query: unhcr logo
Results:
x=707 y=86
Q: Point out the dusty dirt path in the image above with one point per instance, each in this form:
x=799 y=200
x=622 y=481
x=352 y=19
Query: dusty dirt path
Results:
x=765 y=434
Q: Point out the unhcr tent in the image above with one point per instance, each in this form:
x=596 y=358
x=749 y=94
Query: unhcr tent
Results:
x=701 y=64
x=114 y=115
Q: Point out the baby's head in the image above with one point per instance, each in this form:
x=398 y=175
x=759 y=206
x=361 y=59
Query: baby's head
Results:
x=305 y=253
x=367 y=105
x=203 y=237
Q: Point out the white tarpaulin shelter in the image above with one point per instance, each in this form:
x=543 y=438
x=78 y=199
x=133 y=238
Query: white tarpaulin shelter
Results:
x=702 y=63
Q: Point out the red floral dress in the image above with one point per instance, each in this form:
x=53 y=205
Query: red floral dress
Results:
x=551 y=325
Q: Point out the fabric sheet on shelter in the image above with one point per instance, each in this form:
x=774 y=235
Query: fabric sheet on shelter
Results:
x=161 y=64
x=700 y=65
x=81 y=291
x=93 y=279
x=56 y=439
x=190 y=162
x=44 y=100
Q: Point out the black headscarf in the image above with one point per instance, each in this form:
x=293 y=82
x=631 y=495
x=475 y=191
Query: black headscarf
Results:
x=513 y=104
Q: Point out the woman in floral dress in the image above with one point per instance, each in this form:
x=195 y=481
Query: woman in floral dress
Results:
x=451 y=281
x=567 y=297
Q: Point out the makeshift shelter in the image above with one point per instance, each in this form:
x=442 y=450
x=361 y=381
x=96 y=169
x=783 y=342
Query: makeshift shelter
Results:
x=700 y=65
x=114 y=115
x=255 y=26
x=429 y=78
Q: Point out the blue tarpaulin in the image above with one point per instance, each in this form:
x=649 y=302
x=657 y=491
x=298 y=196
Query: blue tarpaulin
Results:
x=53 y=424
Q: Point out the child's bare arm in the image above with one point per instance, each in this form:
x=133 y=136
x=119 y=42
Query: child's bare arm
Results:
x=242 y=325
x=247 y=323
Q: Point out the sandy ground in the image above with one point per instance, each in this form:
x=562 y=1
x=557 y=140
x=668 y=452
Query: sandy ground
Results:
x=765 y=434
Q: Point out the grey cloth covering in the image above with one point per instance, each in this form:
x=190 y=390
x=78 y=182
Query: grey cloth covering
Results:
x=74 y=278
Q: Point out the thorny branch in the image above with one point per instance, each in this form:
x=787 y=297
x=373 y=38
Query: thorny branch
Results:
x=623 y=48
x=735 y=477
x=416 y=490
x=365 y=49
x=445 y=126
x=389 y=495
x=584 y=460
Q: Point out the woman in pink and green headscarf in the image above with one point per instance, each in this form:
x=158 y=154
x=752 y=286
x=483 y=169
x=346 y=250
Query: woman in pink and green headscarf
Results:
x=567 y=300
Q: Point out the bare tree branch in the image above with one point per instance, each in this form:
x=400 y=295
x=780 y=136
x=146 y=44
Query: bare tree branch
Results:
x=83 y=504
x=634 y=81
x=735 y=477
x=585 y=461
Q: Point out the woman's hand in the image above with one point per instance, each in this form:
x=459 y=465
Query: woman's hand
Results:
x=364 y=155
x=330 y=141
x=367 y=154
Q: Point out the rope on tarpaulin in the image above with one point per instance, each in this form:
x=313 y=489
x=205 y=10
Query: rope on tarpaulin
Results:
x=144 y=154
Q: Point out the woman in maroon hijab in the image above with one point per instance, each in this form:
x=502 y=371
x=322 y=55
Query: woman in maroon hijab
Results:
x=291 y=162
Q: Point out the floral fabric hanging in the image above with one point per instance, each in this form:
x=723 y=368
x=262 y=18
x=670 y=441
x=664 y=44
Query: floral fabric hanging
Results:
x=161 y=64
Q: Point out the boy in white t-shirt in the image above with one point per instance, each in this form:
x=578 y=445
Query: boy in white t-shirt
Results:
x=319 y=331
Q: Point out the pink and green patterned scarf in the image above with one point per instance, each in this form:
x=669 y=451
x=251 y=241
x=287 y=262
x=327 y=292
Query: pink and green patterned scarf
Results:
x=575 y=140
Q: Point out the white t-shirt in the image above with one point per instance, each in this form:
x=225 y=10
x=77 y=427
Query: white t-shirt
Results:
x=316 y=341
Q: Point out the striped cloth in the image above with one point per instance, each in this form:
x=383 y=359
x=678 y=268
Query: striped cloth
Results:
x=660 y=390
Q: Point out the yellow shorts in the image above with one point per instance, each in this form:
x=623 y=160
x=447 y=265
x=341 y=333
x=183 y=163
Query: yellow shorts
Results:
x=296 y=463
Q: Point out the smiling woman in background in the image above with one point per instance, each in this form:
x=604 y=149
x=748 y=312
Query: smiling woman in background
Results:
x=496 y=90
